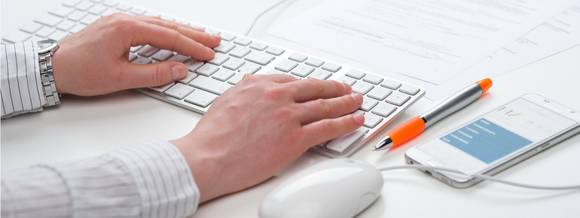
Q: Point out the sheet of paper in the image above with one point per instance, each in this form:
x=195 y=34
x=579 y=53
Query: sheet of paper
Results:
x=557 y=34
x=429 y=41
x=553 y=36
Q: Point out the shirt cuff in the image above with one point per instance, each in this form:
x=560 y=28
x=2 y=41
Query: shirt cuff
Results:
x=164 y=180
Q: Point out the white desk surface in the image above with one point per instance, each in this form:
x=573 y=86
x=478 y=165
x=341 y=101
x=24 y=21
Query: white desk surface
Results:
x=82 y=127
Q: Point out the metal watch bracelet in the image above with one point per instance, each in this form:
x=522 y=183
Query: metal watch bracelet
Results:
x=46 y=72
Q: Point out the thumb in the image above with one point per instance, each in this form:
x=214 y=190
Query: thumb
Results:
x=152 y=75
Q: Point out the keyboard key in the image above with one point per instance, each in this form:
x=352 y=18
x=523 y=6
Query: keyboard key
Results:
x=98 y=9
x=71 y=3
x=147 y=51
x=224 y=47
x=179 y=58
x=236 y=78
x=58 y=35
x=233 y=63
x=76 y=15
x=45 y=32
x=110 y=3
x=274 y=51
x=219 y=59
x=341 y=144
x=223 y=74
x=15 y=36
x=142 y=60
x=379 y=93
x=162 y=88
x=207 y=69
x=331 y=67
x=162 y=55
x=65 y=25
x=124 y=7
x=409 y=90
x=192 y=65
x=302 y=70
x=372 y=120
x=368 y=104
x=383 y=109
x=320 y=74
x=362 y=87
x=61 y=11
x=314 y=62
x=397 y=98
x=84 y=5
x=200 y=98
x=89 y=19
x=243 y=41
x=391 y=84
x=190 y=76
x=346 y=80
x=49 y=20
x=286 y=65
x=179 y=91
x=259 y=58
x=297 y=57
x=136 y=11
x=210 y=85
x=250 y=68
x=239 y=52
x=227 y=36
x=355 y=74
x=258 y=46
x=76 y=28
x=373 y=79
x=31 y=28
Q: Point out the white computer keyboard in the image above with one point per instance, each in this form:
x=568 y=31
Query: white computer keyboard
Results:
x=384 y=98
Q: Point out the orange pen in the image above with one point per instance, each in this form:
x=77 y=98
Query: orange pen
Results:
x=417 y=125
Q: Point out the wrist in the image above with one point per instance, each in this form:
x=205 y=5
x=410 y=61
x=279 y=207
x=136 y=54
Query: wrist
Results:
x=204 y=168
x=58 y=62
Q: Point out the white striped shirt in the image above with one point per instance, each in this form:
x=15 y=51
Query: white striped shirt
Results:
x=146 y=180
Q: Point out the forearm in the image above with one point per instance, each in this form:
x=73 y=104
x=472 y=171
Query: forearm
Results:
x=151 y=180
x=21 y=88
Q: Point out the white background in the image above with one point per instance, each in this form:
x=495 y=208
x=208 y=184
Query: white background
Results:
x=82 y=127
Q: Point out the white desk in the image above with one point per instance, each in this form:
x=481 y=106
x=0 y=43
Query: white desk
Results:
x=82 y=127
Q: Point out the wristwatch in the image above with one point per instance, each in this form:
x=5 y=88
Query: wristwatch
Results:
x=46 y=49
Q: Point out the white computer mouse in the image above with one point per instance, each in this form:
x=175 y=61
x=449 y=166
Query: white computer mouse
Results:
x=334 y=188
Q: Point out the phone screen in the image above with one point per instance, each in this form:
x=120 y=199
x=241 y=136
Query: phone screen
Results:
x=506 y=130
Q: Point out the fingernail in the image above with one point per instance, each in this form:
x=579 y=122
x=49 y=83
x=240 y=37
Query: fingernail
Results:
x=357 y=98
x=348 y=88
x=359 y=119
x=178 y=72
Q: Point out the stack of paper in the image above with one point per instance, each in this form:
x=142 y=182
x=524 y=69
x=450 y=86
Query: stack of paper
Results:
x=440 y=44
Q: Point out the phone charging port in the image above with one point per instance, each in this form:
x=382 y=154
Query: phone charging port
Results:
x=428 y=172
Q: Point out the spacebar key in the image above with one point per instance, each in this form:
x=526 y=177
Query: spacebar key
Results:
x=341 y=144
x=210 y=85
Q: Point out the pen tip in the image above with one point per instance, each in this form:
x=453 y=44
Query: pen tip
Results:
x=384 y=144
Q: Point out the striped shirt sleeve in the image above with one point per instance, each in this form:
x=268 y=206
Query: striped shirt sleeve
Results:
x=149 y=180
x=21 y=88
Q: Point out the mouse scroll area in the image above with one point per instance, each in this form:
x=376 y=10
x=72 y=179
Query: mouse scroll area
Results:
x=334 y=188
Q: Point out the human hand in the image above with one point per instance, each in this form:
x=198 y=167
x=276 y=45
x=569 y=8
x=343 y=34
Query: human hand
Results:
x=94 y=61
x=261 y=125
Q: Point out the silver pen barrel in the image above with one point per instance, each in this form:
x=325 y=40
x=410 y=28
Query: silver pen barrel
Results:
x=452 y=104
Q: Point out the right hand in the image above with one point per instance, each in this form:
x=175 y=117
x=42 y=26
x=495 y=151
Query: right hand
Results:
x=261 y=125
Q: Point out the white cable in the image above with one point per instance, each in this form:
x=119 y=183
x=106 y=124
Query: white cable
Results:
x=484 y=177
x=257 y=18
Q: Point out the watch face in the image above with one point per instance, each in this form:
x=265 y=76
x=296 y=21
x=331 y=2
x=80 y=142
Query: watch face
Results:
x=46 y=45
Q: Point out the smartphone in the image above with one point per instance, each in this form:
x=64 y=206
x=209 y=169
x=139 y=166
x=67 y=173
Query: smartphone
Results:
x=497 y=140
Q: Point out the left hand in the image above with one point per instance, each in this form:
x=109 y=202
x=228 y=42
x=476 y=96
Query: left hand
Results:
x=95 y=61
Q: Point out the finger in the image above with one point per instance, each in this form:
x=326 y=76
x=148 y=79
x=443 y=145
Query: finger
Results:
x=324 y=130
x=161 y=37
x=329 y=108
x=199 y=36
x=311 y=89
x=277 y=78
x=151 y=75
